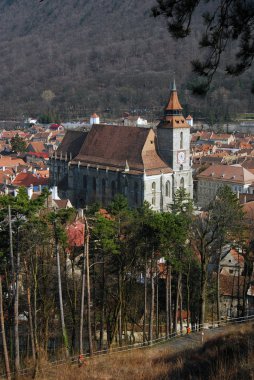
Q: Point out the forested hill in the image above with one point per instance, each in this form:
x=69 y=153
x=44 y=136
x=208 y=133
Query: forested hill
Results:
x=103 y=55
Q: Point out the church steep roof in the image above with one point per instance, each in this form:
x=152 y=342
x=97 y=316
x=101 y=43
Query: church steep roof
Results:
x=111 y=145
x=72 y=143
x=173 y=103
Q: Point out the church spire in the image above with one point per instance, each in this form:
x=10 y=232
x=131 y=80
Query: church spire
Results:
x=173 y=107
x=173 y=116
x=174 y=85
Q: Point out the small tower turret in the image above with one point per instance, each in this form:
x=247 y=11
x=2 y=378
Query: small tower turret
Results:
x=94 y=119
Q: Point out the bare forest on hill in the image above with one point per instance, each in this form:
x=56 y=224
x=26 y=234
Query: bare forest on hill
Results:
x=107 y=56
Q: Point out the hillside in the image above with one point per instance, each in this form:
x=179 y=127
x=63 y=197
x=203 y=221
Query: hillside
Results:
x=107 y=55
x=226 y=355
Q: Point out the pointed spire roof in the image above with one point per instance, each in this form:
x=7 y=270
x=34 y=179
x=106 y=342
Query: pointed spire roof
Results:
x=174 y=85
x=173 y=103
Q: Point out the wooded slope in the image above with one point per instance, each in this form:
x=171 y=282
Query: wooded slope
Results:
x=100 y=55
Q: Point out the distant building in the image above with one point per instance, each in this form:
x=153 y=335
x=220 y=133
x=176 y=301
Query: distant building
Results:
x=189 y=120
x=239 y=179
x=134 y=121
x=94 y=119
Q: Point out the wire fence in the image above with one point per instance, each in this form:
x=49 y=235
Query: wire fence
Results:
x=28 y=371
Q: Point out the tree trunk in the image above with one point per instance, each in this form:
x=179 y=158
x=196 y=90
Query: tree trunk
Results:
x=60 y=294
x=202 y=299
x=188 y=295
x=181 y=302
x=145 y=301
x=167 y=302
x=151 y=319
x=30 y=318
x=6 y=356
x=16 y=313
x=218 y=287
x=81 y=325
x=11 y=244
x=157 y=304
x=177 y=302
x=102 y=305
x=218 y=293
x=170 y=299
x=120 y=295
x=88 y=291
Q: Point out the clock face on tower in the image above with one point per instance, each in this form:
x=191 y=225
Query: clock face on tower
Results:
x=181 y=155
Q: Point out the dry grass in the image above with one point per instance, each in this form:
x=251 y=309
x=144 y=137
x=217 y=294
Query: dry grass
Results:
x=227 y=356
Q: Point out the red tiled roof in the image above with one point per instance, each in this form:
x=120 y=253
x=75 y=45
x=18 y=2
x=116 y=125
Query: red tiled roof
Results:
x=227 y=173
x=11 y=162
x=36 y=154
x=36 y=146
x=237 y=256
x=27 y=179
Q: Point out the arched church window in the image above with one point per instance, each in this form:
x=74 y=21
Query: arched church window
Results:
x=153 y=193
x=168 y=193
x=103 y=189
x=94 y=186
x=113 y=189
x=182 y=182
x=125 y=189
x=181 y=140
x=136 y=193
x=85 y=182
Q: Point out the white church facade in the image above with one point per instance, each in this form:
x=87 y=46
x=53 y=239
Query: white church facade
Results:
x=142 y=164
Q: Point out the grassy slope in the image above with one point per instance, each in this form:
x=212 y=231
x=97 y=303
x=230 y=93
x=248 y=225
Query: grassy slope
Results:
x=227 y=356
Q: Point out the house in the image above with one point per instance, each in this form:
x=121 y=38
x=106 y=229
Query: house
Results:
x=134 y=121
x=232 y=292
x=56 y=127
x=232 y=262
x=43 y=137
x=36 y=147
x=239 y=179
x=28 y=179
x=10 y=162
x=140 y=163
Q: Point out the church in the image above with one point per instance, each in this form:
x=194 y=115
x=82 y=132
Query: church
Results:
x=143 y=164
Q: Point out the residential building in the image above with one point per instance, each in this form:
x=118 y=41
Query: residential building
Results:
x=239 y=179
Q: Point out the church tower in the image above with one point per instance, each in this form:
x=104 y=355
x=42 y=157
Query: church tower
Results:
x=173 y=138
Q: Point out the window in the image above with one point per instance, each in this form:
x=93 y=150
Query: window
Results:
x=85 y=182
x=125 y=190
x=103 y=190
x=113 y=189
x=168 y=194
x=181 y=140
x=153 y=193
x=94 y=186
x=182 y=182
x=136 y=193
